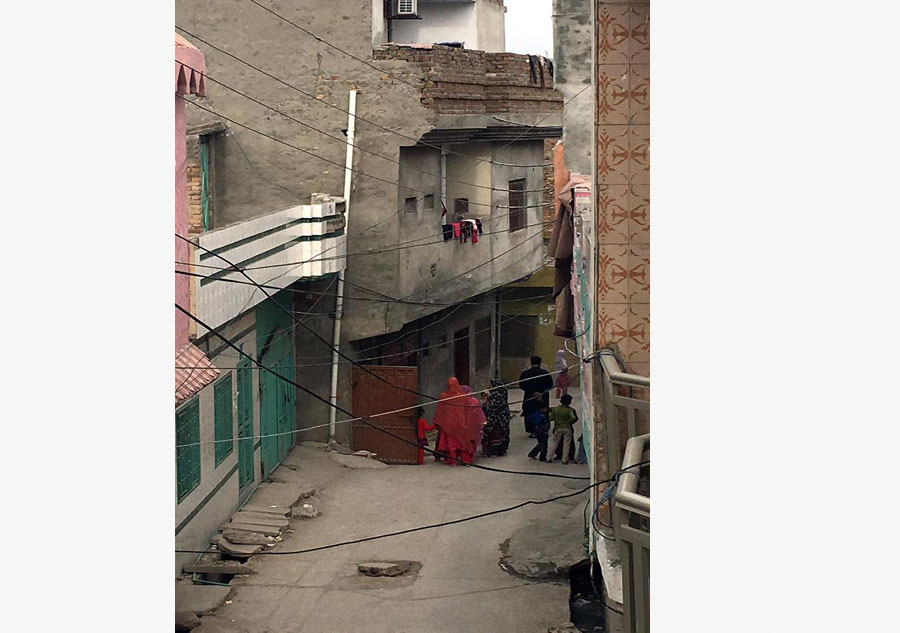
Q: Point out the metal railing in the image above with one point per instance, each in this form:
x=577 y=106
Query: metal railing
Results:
x=632 y=530
x=626 y=408
x=626 y=433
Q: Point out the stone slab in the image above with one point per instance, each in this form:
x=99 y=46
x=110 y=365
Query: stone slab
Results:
x=268 y=530
x=199 y=598
x=240 y=537
x=273 y=510
x=228 y=567
x=260 y=519
x=360 y=463
x=279 y=494
x=236 y=549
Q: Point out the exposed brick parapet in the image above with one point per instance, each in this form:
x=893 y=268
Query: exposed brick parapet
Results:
x=462 y=81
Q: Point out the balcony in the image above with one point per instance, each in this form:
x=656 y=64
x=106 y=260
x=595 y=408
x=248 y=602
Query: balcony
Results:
x=309 y=237
x=623 y=549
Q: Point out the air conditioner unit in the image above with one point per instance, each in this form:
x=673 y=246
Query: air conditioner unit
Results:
x=407 y=7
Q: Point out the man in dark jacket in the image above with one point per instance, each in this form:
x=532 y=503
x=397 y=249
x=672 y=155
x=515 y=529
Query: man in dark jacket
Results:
x=537 y=379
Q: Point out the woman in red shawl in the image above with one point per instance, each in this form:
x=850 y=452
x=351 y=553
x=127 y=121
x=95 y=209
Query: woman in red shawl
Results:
x=455 y=416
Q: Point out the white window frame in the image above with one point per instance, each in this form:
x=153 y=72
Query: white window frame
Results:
x=409 y=6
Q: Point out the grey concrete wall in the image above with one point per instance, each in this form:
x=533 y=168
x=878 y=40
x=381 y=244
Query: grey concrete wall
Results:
x=257 y=175
x=434 y=274
x=316 y=355
x=437 y=367
x=211 y=507
x=572 y=37
x=491 y=26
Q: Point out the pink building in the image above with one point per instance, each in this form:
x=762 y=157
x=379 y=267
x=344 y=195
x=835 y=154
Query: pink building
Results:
x=190 y=67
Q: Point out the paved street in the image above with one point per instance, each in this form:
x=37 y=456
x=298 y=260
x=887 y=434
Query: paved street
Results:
x=460 y=585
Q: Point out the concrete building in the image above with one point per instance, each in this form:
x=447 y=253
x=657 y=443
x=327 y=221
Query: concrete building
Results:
x=438 y=128
x=605 y=198
x=234 y=421
x=475 y=24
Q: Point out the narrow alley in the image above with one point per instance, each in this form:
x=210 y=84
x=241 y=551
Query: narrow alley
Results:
x=462 y=577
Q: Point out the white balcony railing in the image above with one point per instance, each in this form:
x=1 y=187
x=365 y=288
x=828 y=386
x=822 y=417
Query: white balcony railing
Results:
x=308 y=239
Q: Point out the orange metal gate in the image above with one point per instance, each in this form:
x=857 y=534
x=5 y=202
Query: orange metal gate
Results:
x=372 y=396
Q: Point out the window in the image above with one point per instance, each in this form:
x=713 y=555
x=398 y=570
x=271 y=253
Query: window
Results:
x=483 y=340
x=406 y=7
x=187 y=459
x=429 y=202
x=224 y=416
x=207 y=179
x=516 y=205
x=461 y=207
x=410 y=205
x=442 y=341
x=517 y=337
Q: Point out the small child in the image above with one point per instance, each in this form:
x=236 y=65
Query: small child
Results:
x=564 y=418
x=421 y=427
x=540 y=426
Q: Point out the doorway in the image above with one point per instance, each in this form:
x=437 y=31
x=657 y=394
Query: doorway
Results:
x=461 y=356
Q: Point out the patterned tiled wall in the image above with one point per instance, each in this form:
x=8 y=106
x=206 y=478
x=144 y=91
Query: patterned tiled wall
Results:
x=622 y=197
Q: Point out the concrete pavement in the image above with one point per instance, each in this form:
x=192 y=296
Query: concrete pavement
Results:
x=460 y=585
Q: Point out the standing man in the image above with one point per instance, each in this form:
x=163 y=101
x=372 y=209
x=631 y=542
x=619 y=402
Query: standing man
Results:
x=536 y=379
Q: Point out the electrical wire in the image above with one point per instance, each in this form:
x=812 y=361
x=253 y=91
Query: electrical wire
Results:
x=336 y=163
x=368 y=359
x=359 y=118
x=399 y=247
x=362 y=419
x=431 y=526
x=319 y=336
x=513 y=384
x=349 y=144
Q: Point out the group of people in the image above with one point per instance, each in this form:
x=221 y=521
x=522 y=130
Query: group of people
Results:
x=464 y=422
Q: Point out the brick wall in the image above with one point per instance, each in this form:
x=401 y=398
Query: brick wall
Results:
x=549 y=210
x=461 y=81
x=194 y=187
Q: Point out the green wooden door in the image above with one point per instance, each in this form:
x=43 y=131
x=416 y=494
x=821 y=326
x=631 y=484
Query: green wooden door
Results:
x=285 y=406
x=268 y=421
x=245 y=423
x=275 y=345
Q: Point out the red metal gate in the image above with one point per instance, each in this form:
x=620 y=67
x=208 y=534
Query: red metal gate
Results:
x=372 y=396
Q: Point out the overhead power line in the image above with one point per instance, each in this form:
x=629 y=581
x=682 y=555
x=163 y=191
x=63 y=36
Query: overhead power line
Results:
x=343 y=166
x=360 y=419
x=415 y=140
x=374 y=415
x=399 y=247
x=432 y=526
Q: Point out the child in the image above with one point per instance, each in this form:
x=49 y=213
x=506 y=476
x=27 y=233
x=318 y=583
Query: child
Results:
x=421 y=427
x=540 y=426
x=564 y=418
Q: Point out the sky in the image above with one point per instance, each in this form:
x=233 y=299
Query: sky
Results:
x=529 y=27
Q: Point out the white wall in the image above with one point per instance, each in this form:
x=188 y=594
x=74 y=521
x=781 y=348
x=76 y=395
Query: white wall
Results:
x=217 y=509
x=441 y=22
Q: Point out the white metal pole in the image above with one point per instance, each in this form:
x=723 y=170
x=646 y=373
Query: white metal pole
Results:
x=339 y=304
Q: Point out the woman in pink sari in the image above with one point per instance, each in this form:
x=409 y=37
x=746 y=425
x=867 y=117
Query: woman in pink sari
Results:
x=454 y=417
x=475 y=415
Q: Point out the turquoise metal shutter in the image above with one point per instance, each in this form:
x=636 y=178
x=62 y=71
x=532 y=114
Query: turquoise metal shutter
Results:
x=224 y=416
x=187 y=458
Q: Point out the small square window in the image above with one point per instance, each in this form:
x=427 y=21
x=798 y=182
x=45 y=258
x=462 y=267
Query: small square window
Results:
x=442 y=341
x=429 y=202
x=410 y=205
